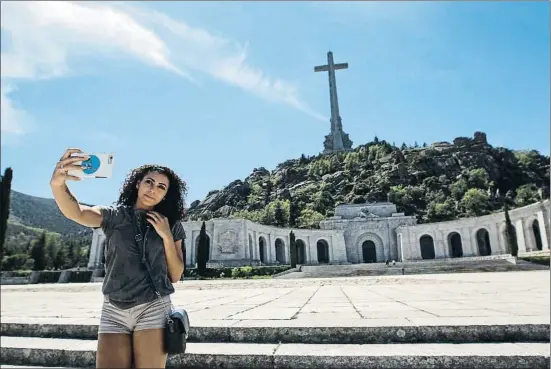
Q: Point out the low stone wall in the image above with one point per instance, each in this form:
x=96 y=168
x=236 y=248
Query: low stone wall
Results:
x=14 y=280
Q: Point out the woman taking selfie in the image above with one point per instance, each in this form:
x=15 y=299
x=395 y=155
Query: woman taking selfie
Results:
x=151 y=204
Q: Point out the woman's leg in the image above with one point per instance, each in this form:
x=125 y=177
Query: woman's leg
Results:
x=114 y=338
x=114 y=350
x=148 y=344
x=148 y=348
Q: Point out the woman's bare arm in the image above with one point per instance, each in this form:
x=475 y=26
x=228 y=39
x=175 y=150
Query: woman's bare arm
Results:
x=174 y=259
x=69 y=206
x=66 y=201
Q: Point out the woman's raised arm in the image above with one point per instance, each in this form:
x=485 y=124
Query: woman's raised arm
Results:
x=66 y=201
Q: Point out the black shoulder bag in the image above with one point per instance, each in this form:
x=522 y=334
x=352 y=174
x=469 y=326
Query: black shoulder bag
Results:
x=177 y=320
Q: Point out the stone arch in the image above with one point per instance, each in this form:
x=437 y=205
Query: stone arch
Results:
x=251 y=247
x=483 y=242
x=376 y=241
x=262 y=249
x=503 y=233
x=197 y=246
x=301 y=251
x=280 y=250
x=322 y=247
x=455 y=245
x=536 y=233
x=426 y=243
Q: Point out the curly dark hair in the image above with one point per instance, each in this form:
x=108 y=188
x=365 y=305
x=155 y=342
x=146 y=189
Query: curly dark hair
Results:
x=172 y=206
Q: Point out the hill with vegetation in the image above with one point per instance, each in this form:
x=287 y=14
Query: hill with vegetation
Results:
x=443 y=181
x=37 y=229
x=42 y=213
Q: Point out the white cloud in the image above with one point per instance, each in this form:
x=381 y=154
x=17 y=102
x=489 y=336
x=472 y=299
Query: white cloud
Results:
x=49 y=40
x=13 y=120
x=222 y=59
x=45 y=35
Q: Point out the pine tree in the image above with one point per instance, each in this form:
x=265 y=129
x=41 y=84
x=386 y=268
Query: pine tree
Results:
x=294 y=212
x=202 y=251
x=293 y=249
x=510 y=233
x=85 y=257
x=60 y=259
x=51 y=252
x=279 y=215
x=71 y=254
x=5 y=186
x=38 y=253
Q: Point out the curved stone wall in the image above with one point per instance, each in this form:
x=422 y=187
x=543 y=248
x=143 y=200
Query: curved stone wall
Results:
x=257 y=243
x=235 y=242
x=480 y=236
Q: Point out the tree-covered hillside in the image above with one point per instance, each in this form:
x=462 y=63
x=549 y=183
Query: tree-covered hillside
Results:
x=443 y=181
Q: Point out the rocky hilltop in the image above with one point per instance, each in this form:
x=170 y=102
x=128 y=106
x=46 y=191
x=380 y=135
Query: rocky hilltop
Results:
x=443 y=181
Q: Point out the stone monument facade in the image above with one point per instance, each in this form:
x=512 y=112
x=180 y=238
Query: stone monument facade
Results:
x=361 y=233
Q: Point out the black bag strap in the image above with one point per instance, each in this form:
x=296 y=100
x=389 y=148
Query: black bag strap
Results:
x=138 y=238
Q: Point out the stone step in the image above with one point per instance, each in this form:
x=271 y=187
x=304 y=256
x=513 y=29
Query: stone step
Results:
x=78 y=353
x=495 y=260
x=4 y=366
x=345 y=271
x=351 y=331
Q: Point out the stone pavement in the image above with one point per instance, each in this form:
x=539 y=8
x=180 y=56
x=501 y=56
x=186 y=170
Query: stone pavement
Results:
x=359 y=301
x=451 y=321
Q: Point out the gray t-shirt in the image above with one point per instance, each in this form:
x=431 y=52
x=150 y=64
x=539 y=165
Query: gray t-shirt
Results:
x=126 y=283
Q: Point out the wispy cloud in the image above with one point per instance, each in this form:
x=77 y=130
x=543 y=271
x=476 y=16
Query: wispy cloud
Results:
x=52 y=39
x=221 y=58
x=15 y=121
x=46 y=36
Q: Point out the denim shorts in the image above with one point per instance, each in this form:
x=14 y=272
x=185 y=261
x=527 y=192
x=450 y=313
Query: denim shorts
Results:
x=151 y=315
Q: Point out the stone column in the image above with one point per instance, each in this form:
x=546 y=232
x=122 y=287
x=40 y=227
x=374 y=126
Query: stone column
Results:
x=470 y=242
x=269 y=247
x=494 y=240
x=543 y=231
x=96 y=250
x=400 y=256
x=255 y=246
x=520 y=236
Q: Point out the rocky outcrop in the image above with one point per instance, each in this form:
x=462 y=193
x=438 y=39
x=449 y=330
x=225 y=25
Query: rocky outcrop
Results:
x=442 y=181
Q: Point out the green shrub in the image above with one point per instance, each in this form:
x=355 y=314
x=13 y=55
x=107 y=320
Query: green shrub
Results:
x=21 y=273
x=238 y=272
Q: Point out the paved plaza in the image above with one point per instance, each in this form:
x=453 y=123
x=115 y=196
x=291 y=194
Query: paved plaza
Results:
x=473 y=298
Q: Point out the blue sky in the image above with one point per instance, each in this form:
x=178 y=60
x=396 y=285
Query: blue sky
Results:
x=214 y=90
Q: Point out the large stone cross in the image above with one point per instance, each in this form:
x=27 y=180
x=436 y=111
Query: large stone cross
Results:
x=337 y=139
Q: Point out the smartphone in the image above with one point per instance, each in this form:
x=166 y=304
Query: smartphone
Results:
x=99 y=165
